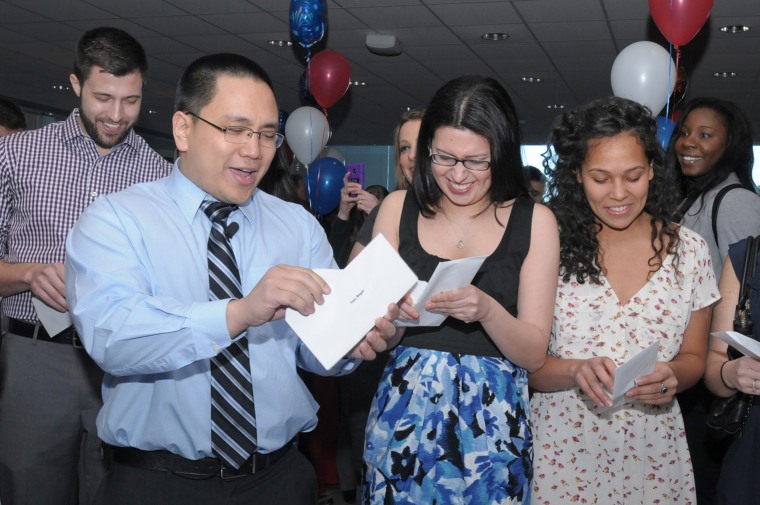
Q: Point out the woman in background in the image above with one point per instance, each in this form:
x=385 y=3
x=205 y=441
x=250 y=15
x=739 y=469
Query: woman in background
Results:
x=449 y=422
x=738 y=483
x=629 y=278
x=711 y=150
x=355 y=205
x=405 y=155
x=711 y=153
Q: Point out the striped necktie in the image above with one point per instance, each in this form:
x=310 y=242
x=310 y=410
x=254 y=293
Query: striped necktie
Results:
x=233 y=422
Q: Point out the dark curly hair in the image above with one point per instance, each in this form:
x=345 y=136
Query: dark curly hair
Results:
x=566 y=152
x=738 y=157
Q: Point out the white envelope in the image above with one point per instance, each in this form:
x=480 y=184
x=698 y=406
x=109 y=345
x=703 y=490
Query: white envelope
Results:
x=448 y=275
x=53 y=321
x=360 y=293
x=626 y=374
x=747 y=345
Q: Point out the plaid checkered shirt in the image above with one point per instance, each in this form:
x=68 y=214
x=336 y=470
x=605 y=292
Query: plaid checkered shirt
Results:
x=48 y=177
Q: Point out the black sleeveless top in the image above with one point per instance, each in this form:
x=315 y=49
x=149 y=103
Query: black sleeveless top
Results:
x=499 y=277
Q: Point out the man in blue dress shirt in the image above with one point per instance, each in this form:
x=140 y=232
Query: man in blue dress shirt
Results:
x=138 y=290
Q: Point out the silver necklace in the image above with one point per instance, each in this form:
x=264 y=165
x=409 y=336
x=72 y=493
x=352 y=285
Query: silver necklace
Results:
x=460 y=243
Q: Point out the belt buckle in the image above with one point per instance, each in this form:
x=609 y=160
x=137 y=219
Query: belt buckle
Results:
x=75 y=342
x=230 y=473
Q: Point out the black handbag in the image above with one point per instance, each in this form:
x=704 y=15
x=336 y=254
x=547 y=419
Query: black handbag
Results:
x=727 y=415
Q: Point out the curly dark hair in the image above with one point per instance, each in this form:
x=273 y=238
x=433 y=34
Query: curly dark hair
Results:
x=566 y=152
x=738 y=157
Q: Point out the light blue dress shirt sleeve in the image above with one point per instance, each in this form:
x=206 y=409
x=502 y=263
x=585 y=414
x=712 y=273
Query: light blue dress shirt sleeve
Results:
x=137 y=287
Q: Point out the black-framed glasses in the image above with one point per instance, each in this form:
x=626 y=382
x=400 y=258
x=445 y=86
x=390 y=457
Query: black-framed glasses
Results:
x=449 y=161
x=241 y=134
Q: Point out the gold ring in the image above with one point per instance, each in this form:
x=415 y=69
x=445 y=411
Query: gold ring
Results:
x=663 y=388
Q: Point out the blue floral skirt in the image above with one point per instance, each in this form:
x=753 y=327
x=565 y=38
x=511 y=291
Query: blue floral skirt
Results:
x=448 y=429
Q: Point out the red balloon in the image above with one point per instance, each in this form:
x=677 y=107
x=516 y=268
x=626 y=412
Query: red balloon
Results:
x=329 y=75
x=681 y=21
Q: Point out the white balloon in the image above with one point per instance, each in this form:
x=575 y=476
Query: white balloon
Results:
x=333 y=152
x=645 y=73
x=307 y=131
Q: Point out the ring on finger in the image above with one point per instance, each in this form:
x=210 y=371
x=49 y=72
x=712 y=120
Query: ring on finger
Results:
x=663 y=388
x=754 y=389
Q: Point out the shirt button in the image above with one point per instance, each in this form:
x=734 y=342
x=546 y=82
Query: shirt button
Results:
x=93 y=194
x=216 y=348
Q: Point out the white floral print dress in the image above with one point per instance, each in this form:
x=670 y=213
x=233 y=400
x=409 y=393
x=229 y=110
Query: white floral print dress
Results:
x=633 y=453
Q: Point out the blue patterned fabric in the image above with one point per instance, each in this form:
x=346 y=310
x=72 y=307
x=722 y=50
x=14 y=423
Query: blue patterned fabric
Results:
x=448 y=429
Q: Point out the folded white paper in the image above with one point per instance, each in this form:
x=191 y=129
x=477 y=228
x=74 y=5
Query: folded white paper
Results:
x=448 y=275
x=359 y=294
x=626 y=374
x=53 y=321
x=747 y=345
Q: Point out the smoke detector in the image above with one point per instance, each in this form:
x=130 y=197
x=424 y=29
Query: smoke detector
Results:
x=386 y=45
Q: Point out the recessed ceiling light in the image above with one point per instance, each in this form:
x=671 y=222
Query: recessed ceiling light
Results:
x=61 y=87
x=495 y=36
x=555 y=106
x=724 y=74
x=358 y=83
x=734 y=28
x=280 y=43
x=152 y=111
x=531 y=79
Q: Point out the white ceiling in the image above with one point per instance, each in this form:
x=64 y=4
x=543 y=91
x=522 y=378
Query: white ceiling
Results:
x=569 y=44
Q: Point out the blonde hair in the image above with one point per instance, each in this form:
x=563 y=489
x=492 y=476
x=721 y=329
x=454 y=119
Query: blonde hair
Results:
x=410 y=115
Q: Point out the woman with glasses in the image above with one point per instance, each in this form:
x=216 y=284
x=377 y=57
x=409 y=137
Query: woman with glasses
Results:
x=449 y=422
x=630 y=278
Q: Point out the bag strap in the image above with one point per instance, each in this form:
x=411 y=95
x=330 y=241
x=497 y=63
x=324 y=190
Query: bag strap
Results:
x=716 y=206
x=742 y=315
x=750 y=261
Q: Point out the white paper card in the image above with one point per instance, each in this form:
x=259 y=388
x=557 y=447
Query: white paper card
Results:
x=53 y=321
x=448 y=275
x=748 y=346
x=360 y=293
x=626 y=374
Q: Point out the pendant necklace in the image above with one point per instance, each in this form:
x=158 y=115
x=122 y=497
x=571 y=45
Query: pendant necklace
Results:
x=460 y=244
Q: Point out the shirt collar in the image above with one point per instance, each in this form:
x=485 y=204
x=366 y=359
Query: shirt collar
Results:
x=72 y=131
x=189 y=197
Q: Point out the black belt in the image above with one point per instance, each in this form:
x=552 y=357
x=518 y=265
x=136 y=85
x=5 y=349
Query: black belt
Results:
x=165 y=461
x=36 y=330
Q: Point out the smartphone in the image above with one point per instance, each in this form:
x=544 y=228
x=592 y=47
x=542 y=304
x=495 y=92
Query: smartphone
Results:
x=356 y=174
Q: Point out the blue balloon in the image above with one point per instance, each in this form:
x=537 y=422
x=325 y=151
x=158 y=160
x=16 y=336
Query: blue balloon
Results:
x=308 y=20
x=324 y=182
x=664 y=130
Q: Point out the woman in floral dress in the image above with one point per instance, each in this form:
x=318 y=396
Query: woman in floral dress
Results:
x=628 y=277
x=450 y=421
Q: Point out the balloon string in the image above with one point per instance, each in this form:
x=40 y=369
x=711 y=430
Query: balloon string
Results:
x=325 y=130
x=678 y=65
x=308 y=79
x=671 y=22
x=670 y=69
x=670 y=53
x=307 y=181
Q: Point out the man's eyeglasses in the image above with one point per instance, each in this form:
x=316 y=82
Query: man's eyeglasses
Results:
x=449 y=161
x=241 y=135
